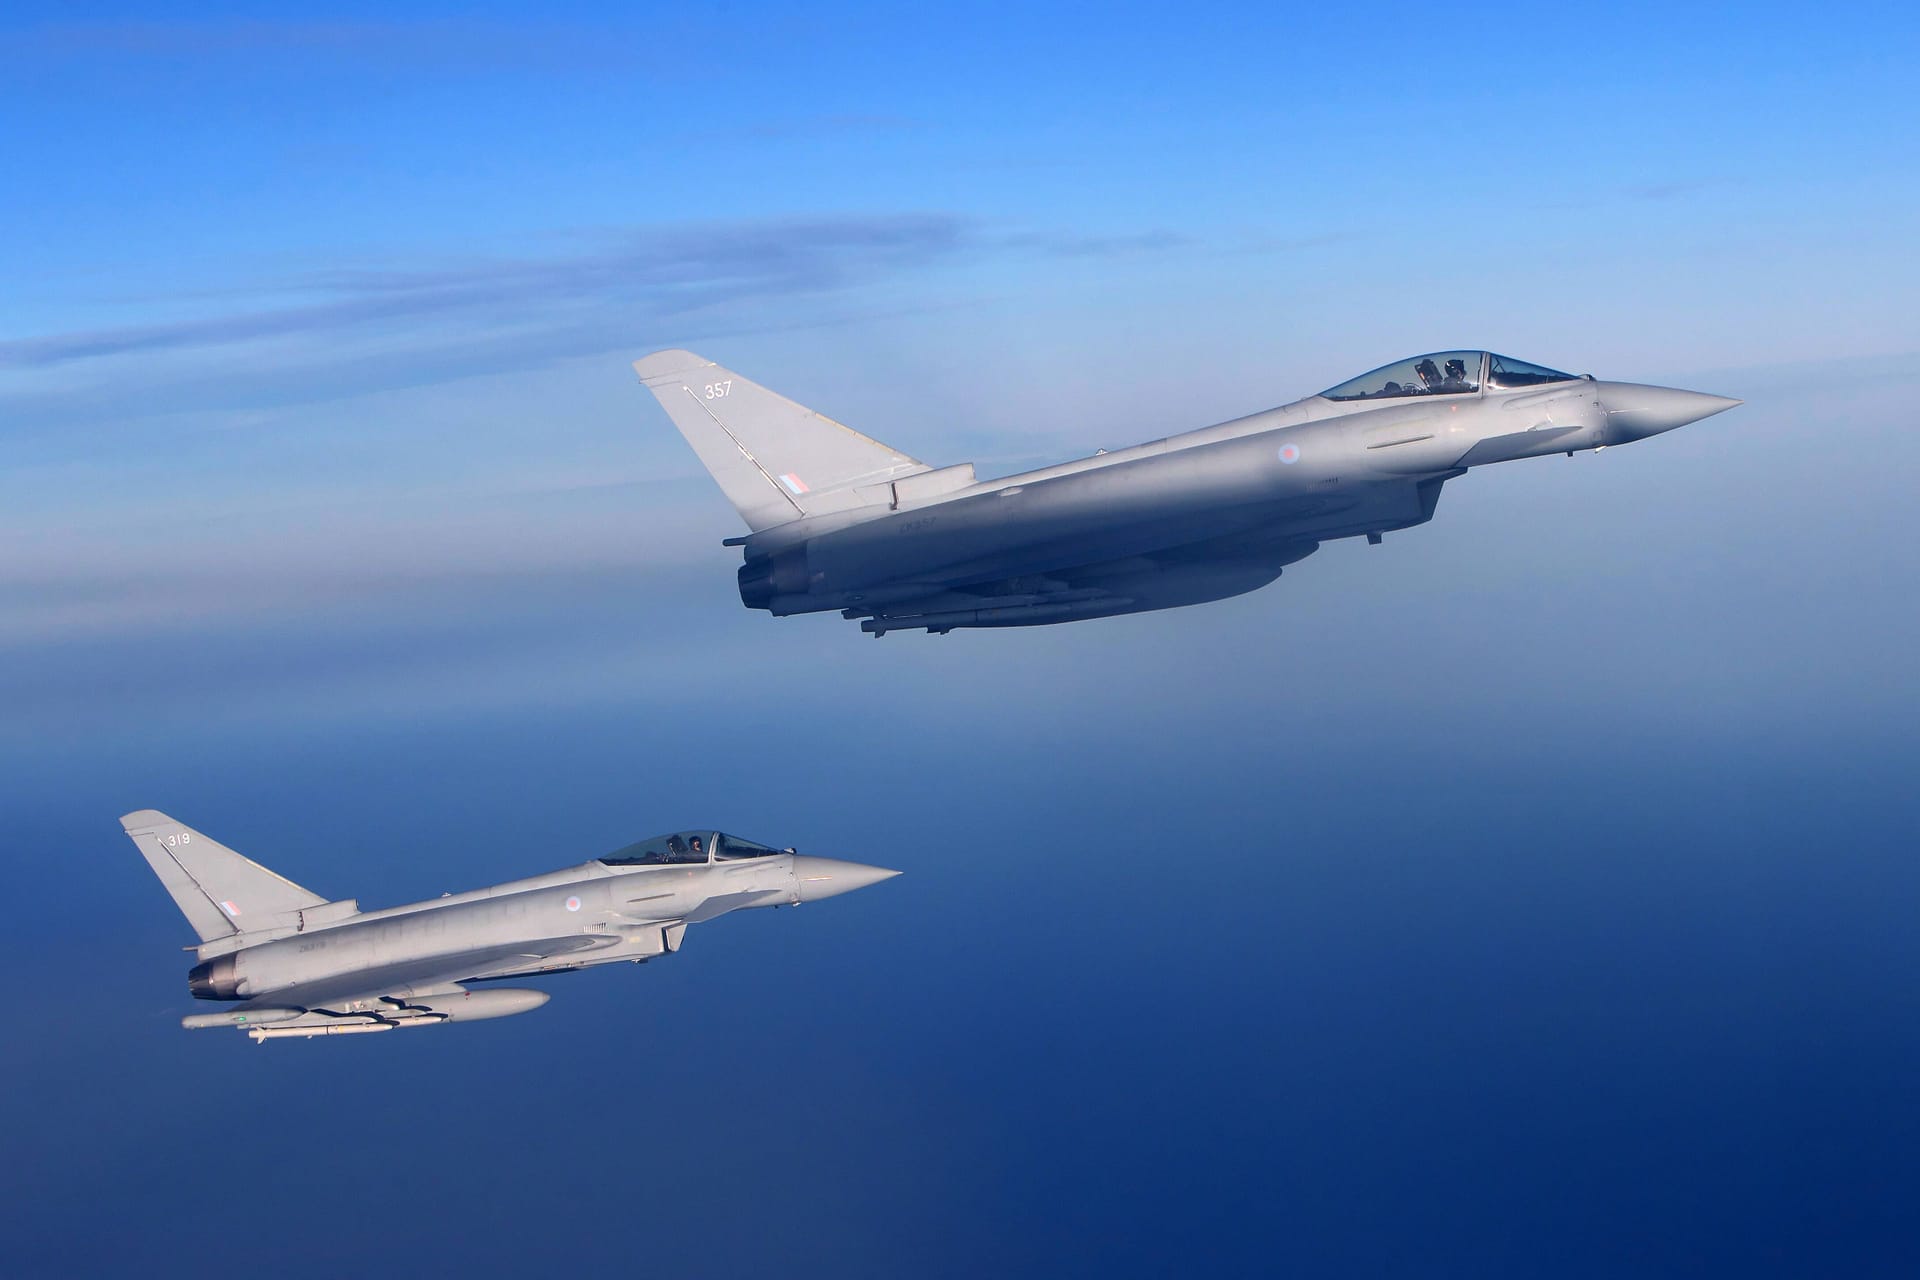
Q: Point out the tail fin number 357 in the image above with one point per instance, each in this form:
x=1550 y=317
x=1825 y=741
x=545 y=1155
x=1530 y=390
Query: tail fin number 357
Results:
x=719 y=390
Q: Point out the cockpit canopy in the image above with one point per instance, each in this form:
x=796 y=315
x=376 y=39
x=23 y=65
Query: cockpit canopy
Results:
x=1445 y=373
x=689 y=847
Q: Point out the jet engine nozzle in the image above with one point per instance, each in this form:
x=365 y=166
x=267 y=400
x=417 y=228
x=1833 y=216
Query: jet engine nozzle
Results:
x=215 y=980
x=783 y=574
x=1635 y=412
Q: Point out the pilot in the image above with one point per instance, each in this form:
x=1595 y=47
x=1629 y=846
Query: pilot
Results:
x=699 y=854
x=1456 y=371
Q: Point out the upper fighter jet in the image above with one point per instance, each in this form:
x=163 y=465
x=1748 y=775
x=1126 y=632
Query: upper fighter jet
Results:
x=300 y=965
x=844 y=522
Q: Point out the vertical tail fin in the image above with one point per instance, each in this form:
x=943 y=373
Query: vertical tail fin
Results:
x=776 y=461
x=217 y=890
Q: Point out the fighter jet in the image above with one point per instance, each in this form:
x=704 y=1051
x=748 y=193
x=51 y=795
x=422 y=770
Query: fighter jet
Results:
x=300 y=966
x=842 y=522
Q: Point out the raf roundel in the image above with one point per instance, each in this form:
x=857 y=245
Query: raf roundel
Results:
x=1289 y=453
x=573 y=904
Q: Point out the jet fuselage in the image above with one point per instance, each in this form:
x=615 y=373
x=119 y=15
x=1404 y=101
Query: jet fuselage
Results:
x=848 y=524
x=302 y=965
x=619 y=913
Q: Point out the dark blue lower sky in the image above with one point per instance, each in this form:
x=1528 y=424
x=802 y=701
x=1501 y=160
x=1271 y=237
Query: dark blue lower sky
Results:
x=1555 y=1005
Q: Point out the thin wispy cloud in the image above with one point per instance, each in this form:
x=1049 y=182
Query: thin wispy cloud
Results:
x=340 y=330
x=667 y=272
x=1059 y=244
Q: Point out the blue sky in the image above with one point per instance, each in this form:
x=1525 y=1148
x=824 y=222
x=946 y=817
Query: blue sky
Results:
x=1530 y=894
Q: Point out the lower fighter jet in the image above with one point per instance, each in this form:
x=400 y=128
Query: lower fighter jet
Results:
x=299 y=965
x=843 y=522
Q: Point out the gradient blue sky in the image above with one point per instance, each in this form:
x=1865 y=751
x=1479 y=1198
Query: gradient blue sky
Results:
x=1530 y=894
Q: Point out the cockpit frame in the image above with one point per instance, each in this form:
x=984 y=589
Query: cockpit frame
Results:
x=1441 y=375
x=689 y=849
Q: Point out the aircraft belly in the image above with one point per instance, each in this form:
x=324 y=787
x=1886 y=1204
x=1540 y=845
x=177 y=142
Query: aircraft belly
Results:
x=1368 y=508
x=1174 y=587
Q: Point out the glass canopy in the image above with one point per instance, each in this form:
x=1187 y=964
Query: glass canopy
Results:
x=1505 y=372
x=1442 y=373
x=1445 y=373
x=688 y=847
x=728 y=848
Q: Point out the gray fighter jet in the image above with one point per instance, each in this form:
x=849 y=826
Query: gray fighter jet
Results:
x=844 y=522
x=300 y=965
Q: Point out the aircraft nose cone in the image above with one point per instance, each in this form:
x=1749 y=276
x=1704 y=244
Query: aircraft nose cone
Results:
x=1635 y=412
x=819 y=878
